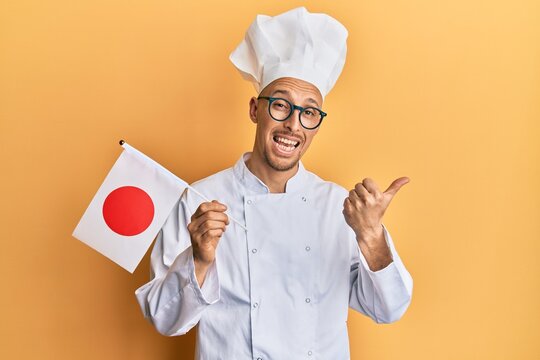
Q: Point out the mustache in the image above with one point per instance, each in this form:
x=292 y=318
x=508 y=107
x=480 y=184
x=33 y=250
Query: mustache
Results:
x=289 y=134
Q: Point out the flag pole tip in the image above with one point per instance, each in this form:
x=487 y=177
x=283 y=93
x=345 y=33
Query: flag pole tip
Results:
x=121 y=142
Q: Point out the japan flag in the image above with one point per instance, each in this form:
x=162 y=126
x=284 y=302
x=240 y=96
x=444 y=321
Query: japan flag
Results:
x=129 y=208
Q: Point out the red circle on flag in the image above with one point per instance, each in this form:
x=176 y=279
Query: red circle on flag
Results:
x=128 y=210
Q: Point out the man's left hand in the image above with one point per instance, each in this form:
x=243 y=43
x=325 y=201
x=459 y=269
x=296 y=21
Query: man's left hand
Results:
x=363 y=210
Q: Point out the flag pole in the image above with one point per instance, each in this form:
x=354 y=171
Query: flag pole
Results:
x=124 y=144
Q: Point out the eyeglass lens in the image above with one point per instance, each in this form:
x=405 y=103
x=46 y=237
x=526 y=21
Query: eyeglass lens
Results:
x=281 y=110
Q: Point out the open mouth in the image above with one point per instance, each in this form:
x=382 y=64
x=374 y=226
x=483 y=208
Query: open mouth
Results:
x=284 y=144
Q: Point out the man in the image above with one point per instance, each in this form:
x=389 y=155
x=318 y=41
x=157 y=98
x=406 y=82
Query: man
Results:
x=281 y=289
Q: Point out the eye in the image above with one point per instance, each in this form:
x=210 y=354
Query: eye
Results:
x=280 y=104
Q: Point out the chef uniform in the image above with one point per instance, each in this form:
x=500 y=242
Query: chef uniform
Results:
x=281 y=289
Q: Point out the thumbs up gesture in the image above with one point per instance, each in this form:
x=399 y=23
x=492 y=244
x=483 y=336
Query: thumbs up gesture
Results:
x=363 y=210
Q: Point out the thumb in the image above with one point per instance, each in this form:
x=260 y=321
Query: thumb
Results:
x=396 y=185
x=222 y=206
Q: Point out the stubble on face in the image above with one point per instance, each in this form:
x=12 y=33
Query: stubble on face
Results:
x=280 y=166
x=280 y=163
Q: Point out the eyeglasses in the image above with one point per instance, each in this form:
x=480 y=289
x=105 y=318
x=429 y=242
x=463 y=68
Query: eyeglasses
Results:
x=281 y=109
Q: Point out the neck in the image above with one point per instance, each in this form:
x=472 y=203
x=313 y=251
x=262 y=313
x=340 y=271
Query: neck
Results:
x=275 y=180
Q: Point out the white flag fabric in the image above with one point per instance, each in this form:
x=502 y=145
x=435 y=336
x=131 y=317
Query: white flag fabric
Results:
x=129 y=208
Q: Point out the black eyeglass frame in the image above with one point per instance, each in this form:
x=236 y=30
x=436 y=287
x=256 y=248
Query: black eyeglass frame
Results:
x=292 y=108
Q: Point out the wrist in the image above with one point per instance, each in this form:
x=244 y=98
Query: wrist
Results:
x=375 y=249
x=201 y=264
x=377 y=257
x=372 y=238
x=201 y=269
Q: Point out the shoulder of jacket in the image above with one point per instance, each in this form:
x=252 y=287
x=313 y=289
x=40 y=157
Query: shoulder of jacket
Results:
x=221 y=177
x=329 y=187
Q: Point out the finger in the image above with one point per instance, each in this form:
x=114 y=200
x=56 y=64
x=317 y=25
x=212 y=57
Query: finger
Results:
x=208 y=206
x=396 y=185
x=354 y=199
x=214 y=233
x=211 y=225
x=209 y=216
x=201 y=235
x=361 y=191
x=347 y=205
x=217 y=202
x=201 y=209
x=371 y=186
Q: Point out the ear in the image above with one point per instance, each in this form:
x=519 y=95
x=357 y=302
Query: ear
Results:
x=253 y=106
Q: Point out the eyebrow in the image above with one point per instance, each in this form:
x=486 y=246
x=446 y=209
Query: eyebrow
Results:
x=286 y=92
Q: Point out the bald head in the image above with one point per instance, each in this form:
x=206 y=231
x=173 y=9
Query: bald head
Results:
x=289 y=87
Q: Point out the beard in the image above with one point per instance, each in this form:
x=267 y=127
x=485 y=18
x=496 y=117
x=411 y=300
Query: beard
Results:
x=280 y=166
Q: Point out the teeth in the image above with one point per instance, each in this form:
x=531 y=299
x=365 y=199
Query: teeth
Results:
x=286 y=141
x=285 y=148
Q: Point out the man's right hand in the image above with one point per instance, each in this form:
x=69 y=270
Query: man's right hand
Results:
x=206 y=227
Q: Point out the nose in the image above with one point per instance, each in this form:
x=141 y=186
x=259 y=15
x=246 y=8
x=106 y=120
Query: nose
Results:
x=293 y=121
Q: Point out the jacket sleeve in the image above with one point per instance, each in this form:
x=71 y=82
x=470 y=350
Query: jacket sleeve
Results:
x=172 y=300
x=383 y=295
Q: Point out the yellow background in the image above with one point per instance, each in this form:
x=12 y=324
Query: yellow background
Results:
x=445 y=92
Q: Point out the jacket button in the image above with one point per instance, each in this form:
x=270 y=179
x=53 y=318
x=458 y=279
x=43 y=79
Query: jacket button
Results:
x=308 y=248
x=249 y=202
x=308 y=300
x=254 y=250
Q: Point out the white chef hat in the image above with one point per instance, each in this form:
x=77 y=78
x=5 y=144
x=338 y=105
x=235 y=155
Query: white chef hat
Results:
x=299 y=44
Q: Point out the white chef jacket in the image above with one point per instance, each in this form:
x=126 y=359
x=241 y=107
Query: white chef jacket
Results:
x=282 y=289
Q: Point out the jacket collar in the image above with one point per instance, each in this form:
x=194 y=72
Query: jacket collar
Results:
x=253 y=184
